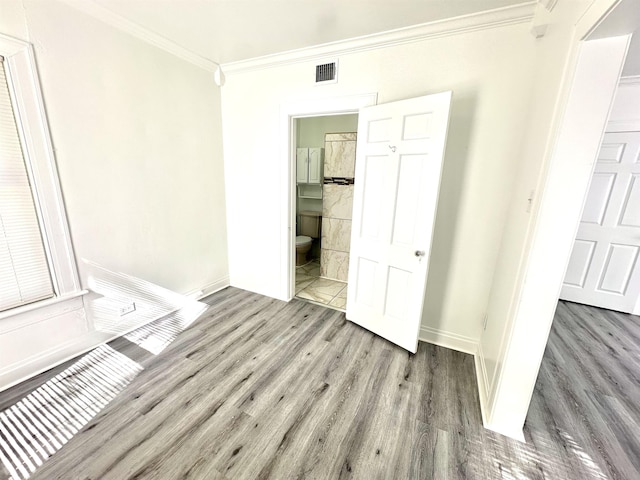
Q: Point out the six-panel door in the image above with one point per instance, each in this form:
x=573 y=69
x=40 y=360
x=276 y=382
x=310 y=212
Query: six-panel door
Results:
x=604 y=268
x=398 y=163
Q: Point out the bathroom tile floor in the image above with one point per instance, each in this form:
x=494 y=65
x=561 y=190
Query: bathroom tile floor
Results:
x=324 y=291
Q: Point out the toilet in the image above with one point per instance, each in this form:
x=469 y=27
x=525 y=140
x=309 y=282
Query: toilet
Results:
x=308 y=229
x=303 y=245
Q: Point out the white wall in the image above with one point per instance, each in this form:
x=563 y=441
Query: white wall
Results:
x=556 y=165
x=137 y=137
x=490 y=75
x=626 y=106
x=632 y=65
x=311 y=130
x=552 y=51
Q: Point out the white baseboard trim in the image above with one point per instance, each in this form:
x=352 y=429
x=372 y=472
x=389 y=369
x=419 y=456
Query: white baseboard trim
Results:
x=484 y=389
x=483 y=383
x=34 y=365
x=45 y=361
x=450 y=340
x=210 y=288
x=473 y=347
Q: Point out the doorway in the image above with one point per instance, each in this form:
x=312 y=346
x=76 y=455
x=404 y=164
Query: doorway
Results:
x=604 y=267
x=325 y=170
x=290 y=115
x=398 y=164
x=506 y=388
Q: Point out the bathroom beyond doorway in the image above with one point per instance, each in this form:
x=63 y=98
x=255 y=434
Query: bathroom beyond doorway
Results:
x=324 y=291
x=325 y=169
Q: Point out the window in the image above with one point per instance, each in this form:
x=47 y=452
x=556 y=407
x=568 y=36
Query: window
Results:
x=37 y=265
x=24 y=268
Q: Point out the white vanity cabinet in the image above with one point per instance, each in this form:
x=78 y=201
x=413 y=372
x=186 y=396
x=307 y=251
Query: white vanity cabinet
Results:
x=309 y=165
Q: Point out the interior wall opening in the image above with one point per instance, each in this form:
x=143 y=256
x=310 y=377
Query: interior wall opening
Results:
x=325 y=152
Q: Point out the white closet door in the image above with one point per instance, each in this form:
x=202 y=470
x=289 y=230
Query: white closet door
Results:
x=604 y=268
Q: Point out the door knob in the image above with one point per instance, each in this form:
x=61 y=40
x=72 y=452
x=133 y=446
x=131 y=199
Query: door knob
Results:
x=419 y=253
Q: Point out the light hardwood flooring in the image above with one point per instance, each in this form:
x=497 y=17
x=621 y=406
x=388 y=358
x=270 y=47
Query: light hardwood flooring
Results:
x=259 y=388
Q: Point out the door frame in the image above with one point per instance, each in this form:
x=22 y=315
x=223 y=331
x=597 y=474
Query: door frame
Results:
x=552 y=229
x=317 y=107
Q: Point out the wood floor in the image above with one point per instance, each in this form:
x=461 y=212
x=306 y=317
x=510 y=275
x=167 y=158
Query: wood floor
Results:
x=258 y=388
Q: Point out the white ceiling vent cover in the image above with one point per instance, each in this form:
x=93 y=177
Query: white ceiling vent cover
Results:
x=327 y=73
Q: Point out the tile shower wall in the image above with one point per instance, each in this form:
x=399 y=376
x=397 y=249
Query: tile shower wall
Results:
x=337 y=204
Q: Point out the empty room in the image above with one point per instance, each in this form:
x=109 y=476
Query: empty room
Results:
x=300 y=239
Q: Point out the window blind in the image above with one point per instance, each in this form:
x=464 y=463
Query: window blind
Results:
x=24 y=269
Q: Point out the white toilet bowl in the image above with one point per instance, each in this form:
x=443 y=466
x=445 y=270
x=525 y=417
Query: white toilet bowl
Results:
x=303 y=245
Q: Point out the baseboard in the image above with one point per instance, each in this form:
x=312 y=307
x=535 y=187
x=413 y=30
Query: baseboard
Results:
x=483 y=383
x=450 y=340
x=473 y=347
x=210 y=288
x=484 y=389
x=33 y=366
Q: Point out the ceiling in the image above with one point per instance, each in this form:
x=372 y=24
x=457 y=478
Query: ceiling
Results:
x=231 y=30
x=624 y=19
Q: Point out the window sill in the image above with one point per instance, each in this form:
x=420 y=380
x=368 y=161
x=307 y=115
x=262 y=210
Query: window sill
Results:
x=47 y=304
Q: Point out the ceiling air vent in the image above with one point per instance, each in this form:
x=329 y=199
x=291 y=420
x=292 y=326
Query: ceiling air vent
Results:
x=327 y=73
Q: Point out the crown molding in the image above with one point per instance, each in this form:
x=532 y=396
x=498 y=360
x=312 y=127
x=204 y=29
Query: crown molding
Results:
x=549 y=5
x=630 y=80
x=110 y=18
x=515 y=14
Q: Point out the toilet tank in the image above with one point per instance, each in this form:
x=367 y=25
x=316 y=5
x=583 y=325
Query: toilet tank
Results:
x=310 y=223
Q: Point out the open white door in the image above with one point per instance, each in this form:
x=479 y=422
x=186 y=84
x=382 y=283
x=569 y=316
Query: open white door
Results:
x=604 y=268
x=398 y=164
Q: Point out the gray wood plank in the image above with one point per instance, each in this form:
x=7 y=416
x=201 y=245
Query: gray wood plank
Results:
x=259 y=388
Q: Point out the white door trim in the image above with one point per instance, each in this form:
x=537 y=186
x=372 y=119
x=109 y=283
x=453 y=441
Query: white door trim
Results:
x=581 y=123
x=288 y=112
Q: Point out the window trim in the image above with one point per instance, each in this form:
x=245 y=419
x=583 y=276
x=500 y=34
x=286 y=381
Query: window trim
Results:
x=24 y=87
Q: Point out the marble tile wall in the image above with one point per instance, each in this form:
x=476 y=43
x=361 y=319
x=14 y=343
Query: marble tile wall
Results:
x=336 y=234
x=334 y=264
x=337 y=205
x=340 y=155
x=337 y=201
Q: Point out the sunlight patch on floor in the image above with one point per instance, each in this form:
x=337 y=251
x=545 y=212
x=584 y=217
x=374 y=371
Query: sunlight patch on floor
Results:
x=39 y=425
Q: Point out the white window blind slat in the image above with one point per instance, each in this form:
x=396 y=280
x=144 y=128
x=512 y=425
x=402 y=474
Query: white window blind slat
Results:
x=9 y=293
x=24 y=269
